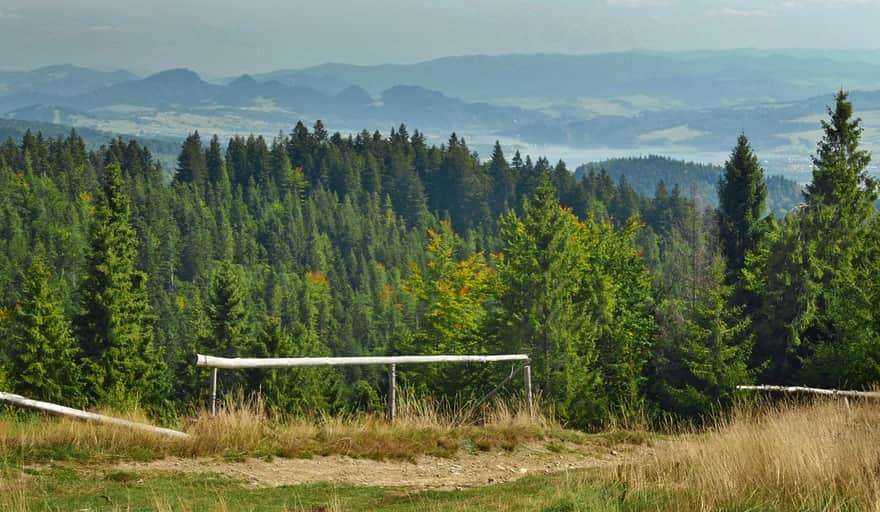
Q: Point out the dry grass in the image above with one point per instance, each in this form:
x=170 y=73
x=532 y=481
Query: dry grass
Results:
x=38 y=438
x=242 y=428
x=824 y=455
x=423 y=427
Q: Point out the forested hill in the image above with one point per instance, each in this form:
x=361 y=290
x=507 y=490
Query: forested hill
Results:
x=700 y=180
x=112 y=277
x=164 y=149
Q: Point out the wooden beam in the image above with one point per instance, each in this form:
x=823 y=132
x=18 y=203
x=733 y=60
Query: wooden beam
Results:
x=68 y=412
x=814 y=391
x=290 y=362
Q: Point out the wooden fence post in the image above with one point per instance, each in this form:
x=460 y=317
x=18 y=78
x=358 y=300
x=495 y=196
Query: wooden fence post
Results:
x=392 y=392
x=527 y=377
x=214 y=394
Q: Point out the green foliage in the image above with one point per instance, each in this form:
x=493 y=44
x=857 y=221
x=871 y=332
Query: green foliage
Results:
x=540 y=290
x=228 y=334
x=705 y=352
x=813 y=276
x=191 y=164
x=319 y=244
x=576 y=298
x=302 y=391
x=364 y=398
x=627 y=324
x=742 y=196
x=452 y=299
x=42 y=351
x=115 y=325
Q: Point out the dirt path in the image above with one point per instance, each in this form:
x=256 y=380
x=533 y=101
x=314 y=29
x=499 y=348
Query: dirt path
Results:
x=466 y=470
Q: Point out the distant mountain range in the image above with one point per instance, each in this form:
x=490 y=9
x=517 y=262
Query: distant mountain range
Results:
x=639 y=101
x=178 y=101
x=693 y=79
x=19 y=88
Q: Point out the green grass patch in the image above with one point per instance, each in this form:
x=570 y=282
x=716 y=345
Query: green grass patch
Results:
x=61 y=488
x=57 y=488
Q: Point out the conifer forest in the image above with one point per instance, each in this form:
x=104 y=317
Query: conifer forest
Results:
x=115 y=270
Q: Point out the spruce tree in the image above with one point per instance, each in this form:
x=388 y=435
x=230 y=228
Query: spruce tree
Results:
x=813 y=276
x=503 y=181
x=214 y=161
x=704 y=354
x=840 y=166
x=742 y=197
x=42 y=350
x=539 y=284
x=228 y=332
x=840 y=343
x=191 y=164
x=115 y=325
x=302 y=391
x=227 y=314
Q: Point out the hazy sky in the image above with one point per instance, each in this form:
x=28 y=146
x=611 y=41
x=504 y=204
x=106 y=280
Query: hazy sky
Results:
x=223 y=37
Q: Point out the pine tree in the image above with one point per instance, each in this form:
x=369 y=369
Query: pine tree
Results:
x=815 y=321
x=301 y=391
x=840 y=167
x=214 y=161
x=42 y=350
x=742 y=197
x=503 y=181
x=228 y=333
x=227 y=314
x=191 y=165
x=115 y=325
x=705 y=353
x=540 y=283
x=839 y=345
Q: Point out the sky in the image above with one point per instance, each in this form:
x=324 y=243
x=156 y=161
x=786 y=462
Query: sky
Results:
x=228 y=37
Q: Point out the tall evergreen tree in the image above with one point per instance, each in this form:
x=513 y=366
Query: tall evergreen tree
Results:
x=191 y=165
x=115 y=325
x=227 y=314
x=705 y=353
x=503 y=181
x=214 y=161
x=816 y=321
x=43 y=353
x=742 y=197
x=840 y=166
x=540 y=283
x=839 y=345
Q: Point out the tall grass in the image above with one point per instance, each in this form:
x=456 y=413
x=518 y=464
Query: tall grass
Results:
x=243 y=427
x=823 y=455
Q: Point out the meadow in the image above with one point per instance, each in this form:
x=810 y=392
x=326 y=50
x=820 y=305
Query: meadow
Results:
x=804 y=455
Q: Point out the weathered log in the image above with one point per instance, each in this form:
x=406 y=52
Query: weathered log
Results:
x=289 y=362
x=69 y=412
x=815 y=391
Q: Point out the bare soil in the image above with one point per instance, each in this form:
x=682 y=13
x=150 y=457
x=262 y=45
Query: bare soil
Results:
x=466 y=470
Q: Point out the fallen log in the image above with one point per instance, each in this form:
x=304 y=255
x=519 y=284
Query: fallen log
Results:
x=77 y=414
x=815 y=391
